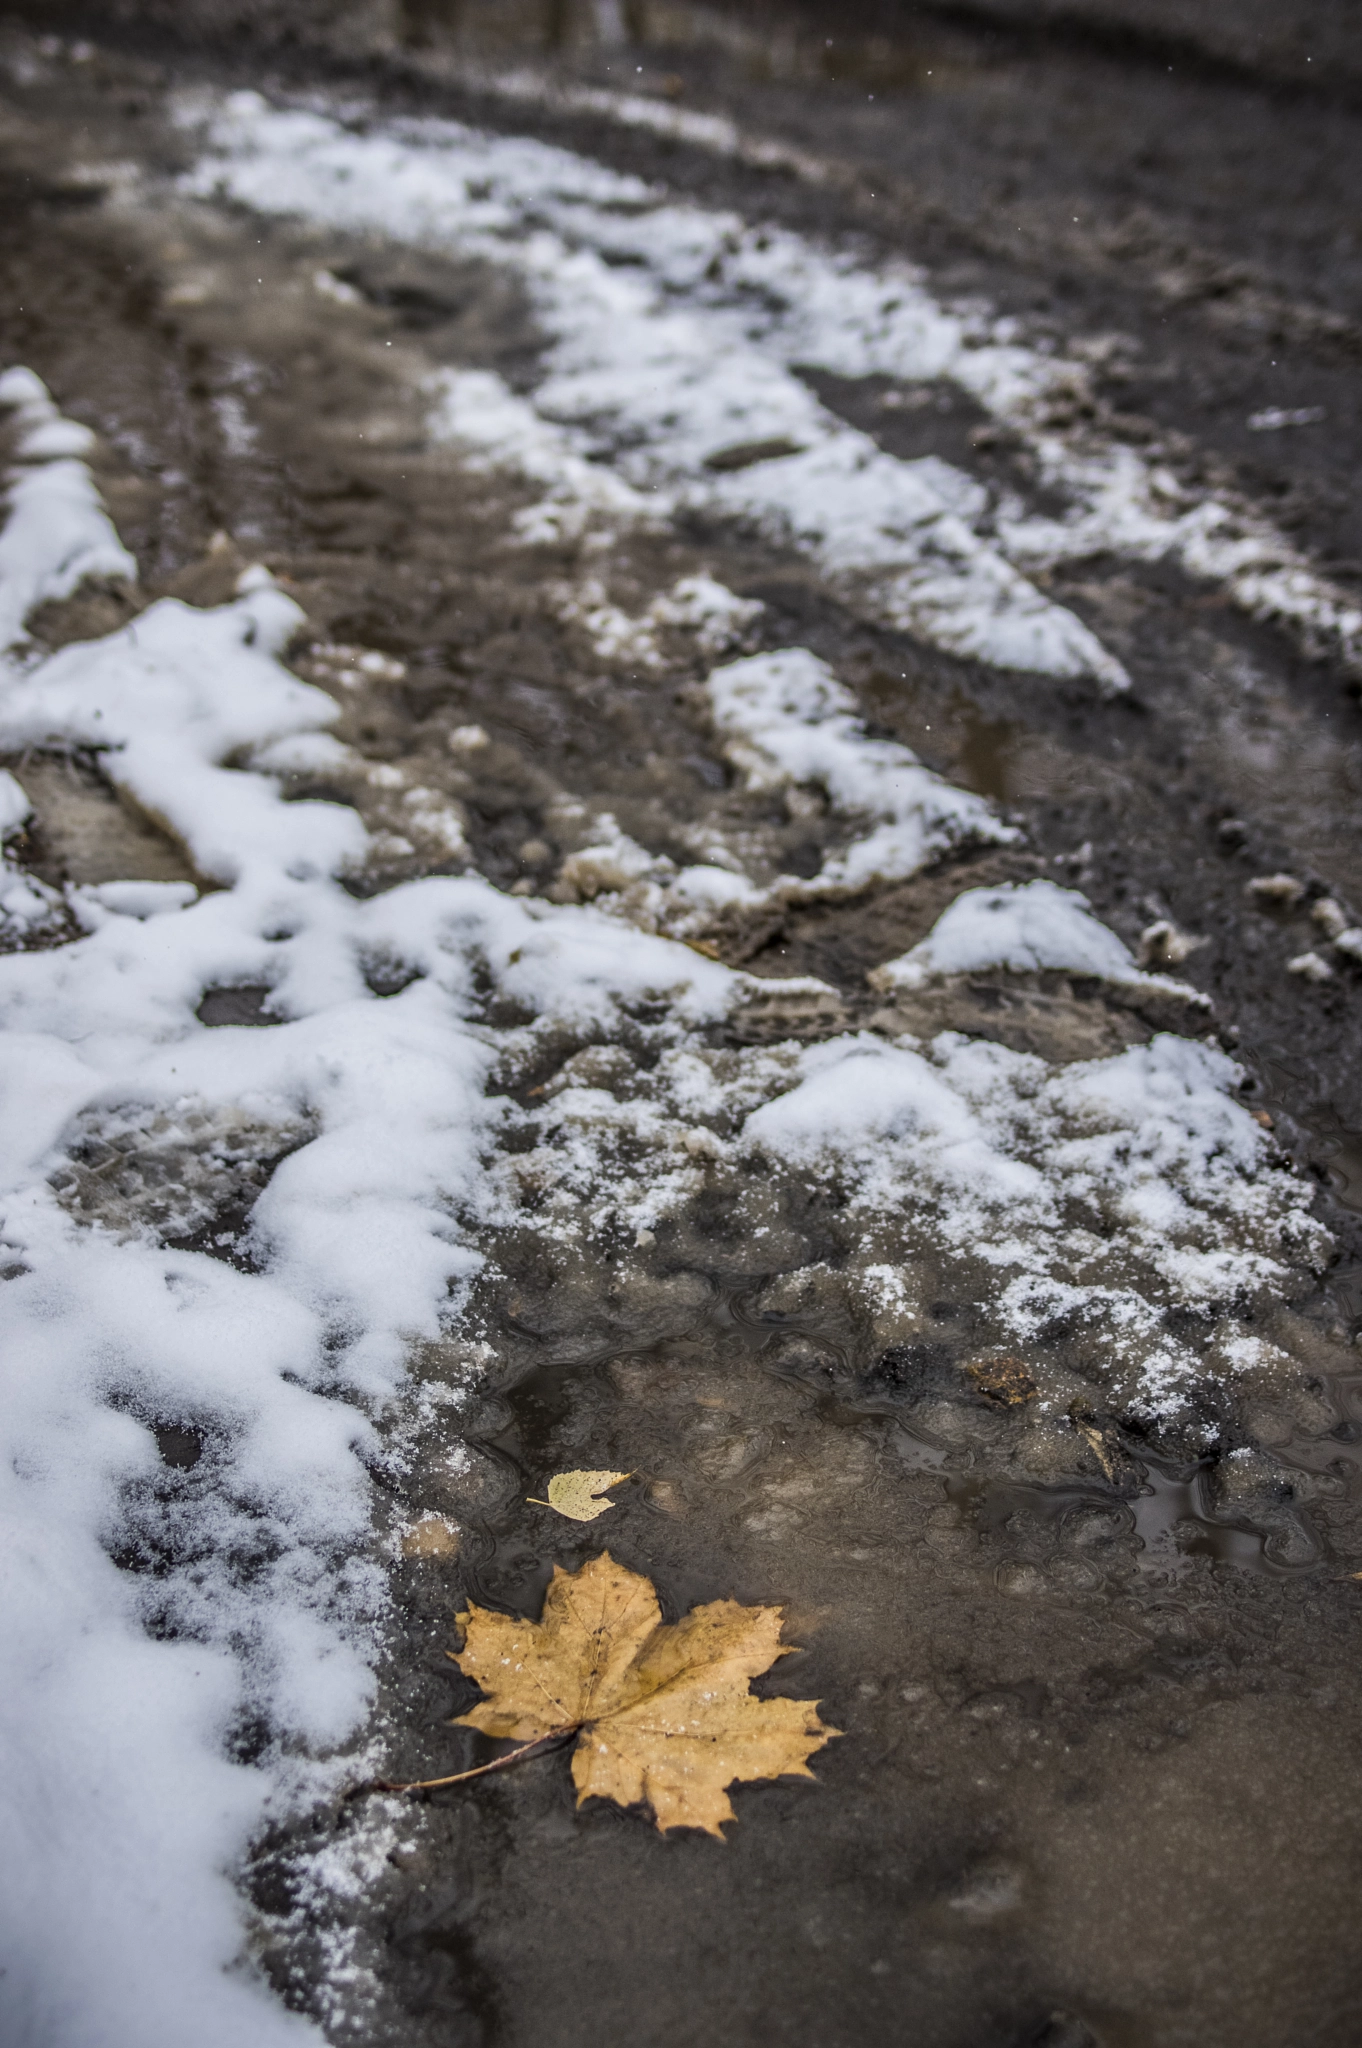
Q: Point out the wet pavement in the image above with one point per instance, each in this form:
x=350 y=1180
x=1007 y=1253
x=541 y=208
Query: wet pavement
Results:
x=1098 y=1673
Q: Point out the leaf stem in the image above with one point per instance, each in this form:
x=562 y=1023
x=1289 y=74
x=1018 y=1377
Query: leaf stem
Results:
x=497 y=1764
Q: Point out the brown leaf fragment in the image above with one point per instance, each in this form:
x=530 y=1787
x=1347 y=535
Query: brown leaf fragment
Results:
x=1099 y=1449
x=1003 y=1379
x=664 y=1712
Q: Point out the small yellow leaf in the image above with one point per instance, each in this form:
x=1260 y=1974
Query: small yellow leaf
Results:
x=574 y=1493
x=664 y=1713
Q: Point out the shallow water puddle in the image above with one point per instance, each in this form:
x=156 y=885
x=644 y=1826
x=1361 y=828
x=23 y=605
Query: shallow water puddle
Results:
x=1002 y=1656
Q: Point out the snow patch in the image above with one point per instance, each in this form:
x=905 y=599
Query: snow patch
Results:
x=475 y=411
x=1108 y=1195
x=685 y=392
x=226 y=1241
x=858 y=321
x=683 y=356
x=57 y=533
x=15 y=808
x=786 y=722
x=1025 y=927
x=132 y=1139
x=713 y=618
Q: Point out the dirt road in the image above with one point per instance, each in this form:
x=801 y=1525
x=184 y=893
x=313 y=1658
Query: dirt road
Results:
x=801 y=943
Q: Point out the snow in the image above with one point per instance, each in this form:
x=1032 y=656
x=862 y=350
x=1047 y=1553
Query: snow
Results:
x=15 y=807
x=57 y=533
x=169 y=697
x=649 y=378
x=124 y=1686
x=714 y=619
x=27 y=906
x=1025 y=927
x=786 y=721
x=361 y=1132
x=860 y=321
x=41 y=431
x=1104 y=1193
x=476 y=411
x=673 y=329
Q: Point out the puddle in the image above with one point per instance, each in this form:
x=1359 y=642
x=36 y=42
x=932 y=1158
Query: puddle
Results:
x=1172 y=1524
x=986 y=760
x=1007 y=1661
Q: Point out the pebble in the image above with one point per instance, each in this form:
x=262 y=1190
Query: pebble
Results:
x=1330 y=917
x=1275 y=889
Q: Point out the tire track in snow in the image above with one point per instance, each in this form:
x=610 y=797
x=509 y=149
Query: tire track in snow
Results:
x=673 y=334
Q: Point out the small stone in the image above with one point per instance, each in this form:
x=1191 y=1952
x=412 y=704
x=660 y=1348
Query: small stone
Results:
x=1310 y=967
x=1331 y=918
x=1162 y=944
x=466 y=739
x=1275 y=889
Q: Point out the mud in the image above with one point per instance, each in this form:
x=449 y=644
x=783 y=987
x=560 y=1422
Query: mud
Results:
x=1099 y=1778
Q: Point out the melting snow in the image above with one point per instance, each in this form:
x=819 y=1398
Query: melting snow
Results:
x=362 y=1129
x=670 y=381
x=786 y=721
x=1026 y=928
x=57 y=533
x=673 y=329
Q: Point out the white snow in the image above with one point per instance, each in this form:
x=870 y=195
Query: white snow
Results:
x=1107 y=1192
x=1024 y=927
x=1102 y=1193
x=57 y=533
x=15 y=808
x=169 y=697
x=41 y=431
x=649 y=371
x=673 y=328
x=476 y=411
x=861 y=321
x=126 y=1818
x=786 y=721
x=713 y=617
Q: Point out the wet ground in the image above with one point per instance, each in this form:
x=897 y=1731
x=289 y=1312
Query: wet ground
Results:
x=1100 y=1780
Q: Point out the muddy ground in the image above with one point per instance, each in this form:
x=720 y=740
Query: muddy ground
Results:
x=1100 y=1780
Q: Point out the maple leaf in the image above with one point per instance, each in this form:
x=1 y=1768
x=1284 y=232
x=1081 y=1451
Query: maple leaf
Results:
x=574 y=1493
x=664 y=1713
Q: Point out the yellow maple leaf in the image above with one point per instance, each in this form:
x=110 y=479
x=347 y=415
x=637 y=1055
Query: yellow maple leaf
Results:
x=664 y=1713
x=574 y=1493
